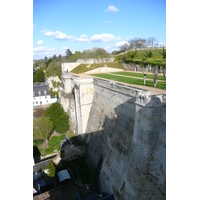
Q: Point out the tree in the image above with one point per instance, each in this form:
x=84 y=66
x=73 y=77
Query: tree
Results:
x=54 y=57
x=137 y=43
x=56 y=113
x=39 y=76
x=124 y=47
x=151 y=41
x=42 y=128
x=155 y=74
x=68 y=53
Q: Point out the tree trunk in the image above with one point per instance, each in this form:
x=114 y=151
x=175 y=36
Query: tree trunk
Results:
x=46 y=143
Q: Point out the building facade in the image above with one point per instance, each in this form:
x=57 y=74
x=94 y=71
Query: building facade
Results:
x=41 y=95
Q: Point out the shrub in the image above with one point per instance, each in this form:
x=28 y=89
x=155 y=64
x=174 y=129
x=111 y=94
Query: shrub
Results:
x=60 y=119
x=52 y=169
x=49 y=151
x=38 y=142
x=150 y=54
x=54 y=141
x=39 y=76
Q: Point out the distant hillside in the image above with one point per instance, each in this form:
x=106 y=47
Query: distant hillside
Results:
x=143 y=57
x=52 y=65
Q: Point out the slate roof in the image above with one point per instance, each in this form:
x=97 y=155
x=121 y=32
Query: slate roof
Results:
x=41 y=88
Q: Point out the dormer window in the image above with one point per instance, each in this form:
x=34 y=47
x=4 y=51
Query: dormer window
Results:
x=39 y=93
x=45 y=93
x=33 y=93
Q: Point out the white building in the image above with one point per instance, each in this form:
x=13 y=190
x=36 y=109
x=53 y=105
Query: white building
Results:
x=41 y=95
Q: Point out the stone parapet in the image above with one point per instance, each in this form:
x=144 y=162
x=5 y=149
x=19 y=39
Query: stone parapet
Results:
x=121 y=88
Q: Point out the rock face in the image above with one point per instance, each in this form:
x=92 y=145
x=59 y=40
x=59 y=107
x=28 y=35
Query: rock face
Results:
x=125 y=137
x=71 y=152
x=127 y=144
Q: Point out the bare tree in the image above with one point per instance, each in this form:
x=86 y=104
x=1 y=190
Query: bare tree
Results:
x=164 y=72
x=144 y=73
x=155 y=74
x=124 y=47
x=137 y=43
x=151 y=41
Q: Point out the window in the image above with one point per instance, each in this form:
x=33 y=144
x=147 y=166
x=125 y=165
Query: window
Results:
x=47 y=101
x=45 y=93
x=33 y=93
x=36 y=102
x=39 y=93
x=33 y=103
x=45 y=97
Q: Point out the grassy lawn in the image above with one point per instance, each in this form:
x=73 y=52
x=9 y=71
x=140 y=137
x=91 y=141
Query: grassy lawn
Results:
x=53 y=144
x=81 y=69
x=160 y=85
x=150 y=76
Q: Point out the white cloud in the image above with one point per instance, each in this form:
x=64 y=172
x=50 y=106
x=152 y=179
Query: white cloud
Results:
x=83 y=38
x=42 y=50
x=112 y=9
x=115 y=46
x=119 y=44
x=128 y=37
x=58 y=35
x=104 y=37
x=39 y=42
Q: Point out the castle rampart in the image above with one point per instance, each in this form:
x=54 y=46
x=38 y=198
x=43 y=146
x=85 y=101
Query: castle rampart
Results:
x=124 y=128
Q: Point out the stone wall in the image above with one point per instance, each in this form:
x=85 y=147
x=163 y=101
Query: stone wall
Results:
x=125 y=134
x=126 y=142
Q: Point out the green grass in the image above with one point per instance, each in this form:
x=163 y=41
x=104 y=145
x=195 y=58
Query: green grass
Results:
x=150 y=76
x=54 y=142
x=49 y=151
x=140 y=57
x=41 y=150
x=81 y=69
x=160 y=85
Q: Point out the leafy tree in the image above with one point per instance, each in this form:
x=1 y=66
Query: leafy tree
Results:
x=164 y=53
x=68 y=53
x=42 y=128
x=39 y=76
x=48 y=62
x=54 y=57
x=60 y=119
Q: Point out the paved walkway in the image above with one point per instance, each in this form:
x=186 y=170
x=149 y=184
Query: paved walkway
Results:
x=153 y=90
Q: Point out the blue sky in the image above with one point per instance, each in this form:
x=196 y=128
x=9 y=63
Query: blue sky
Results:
x=81 y=25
